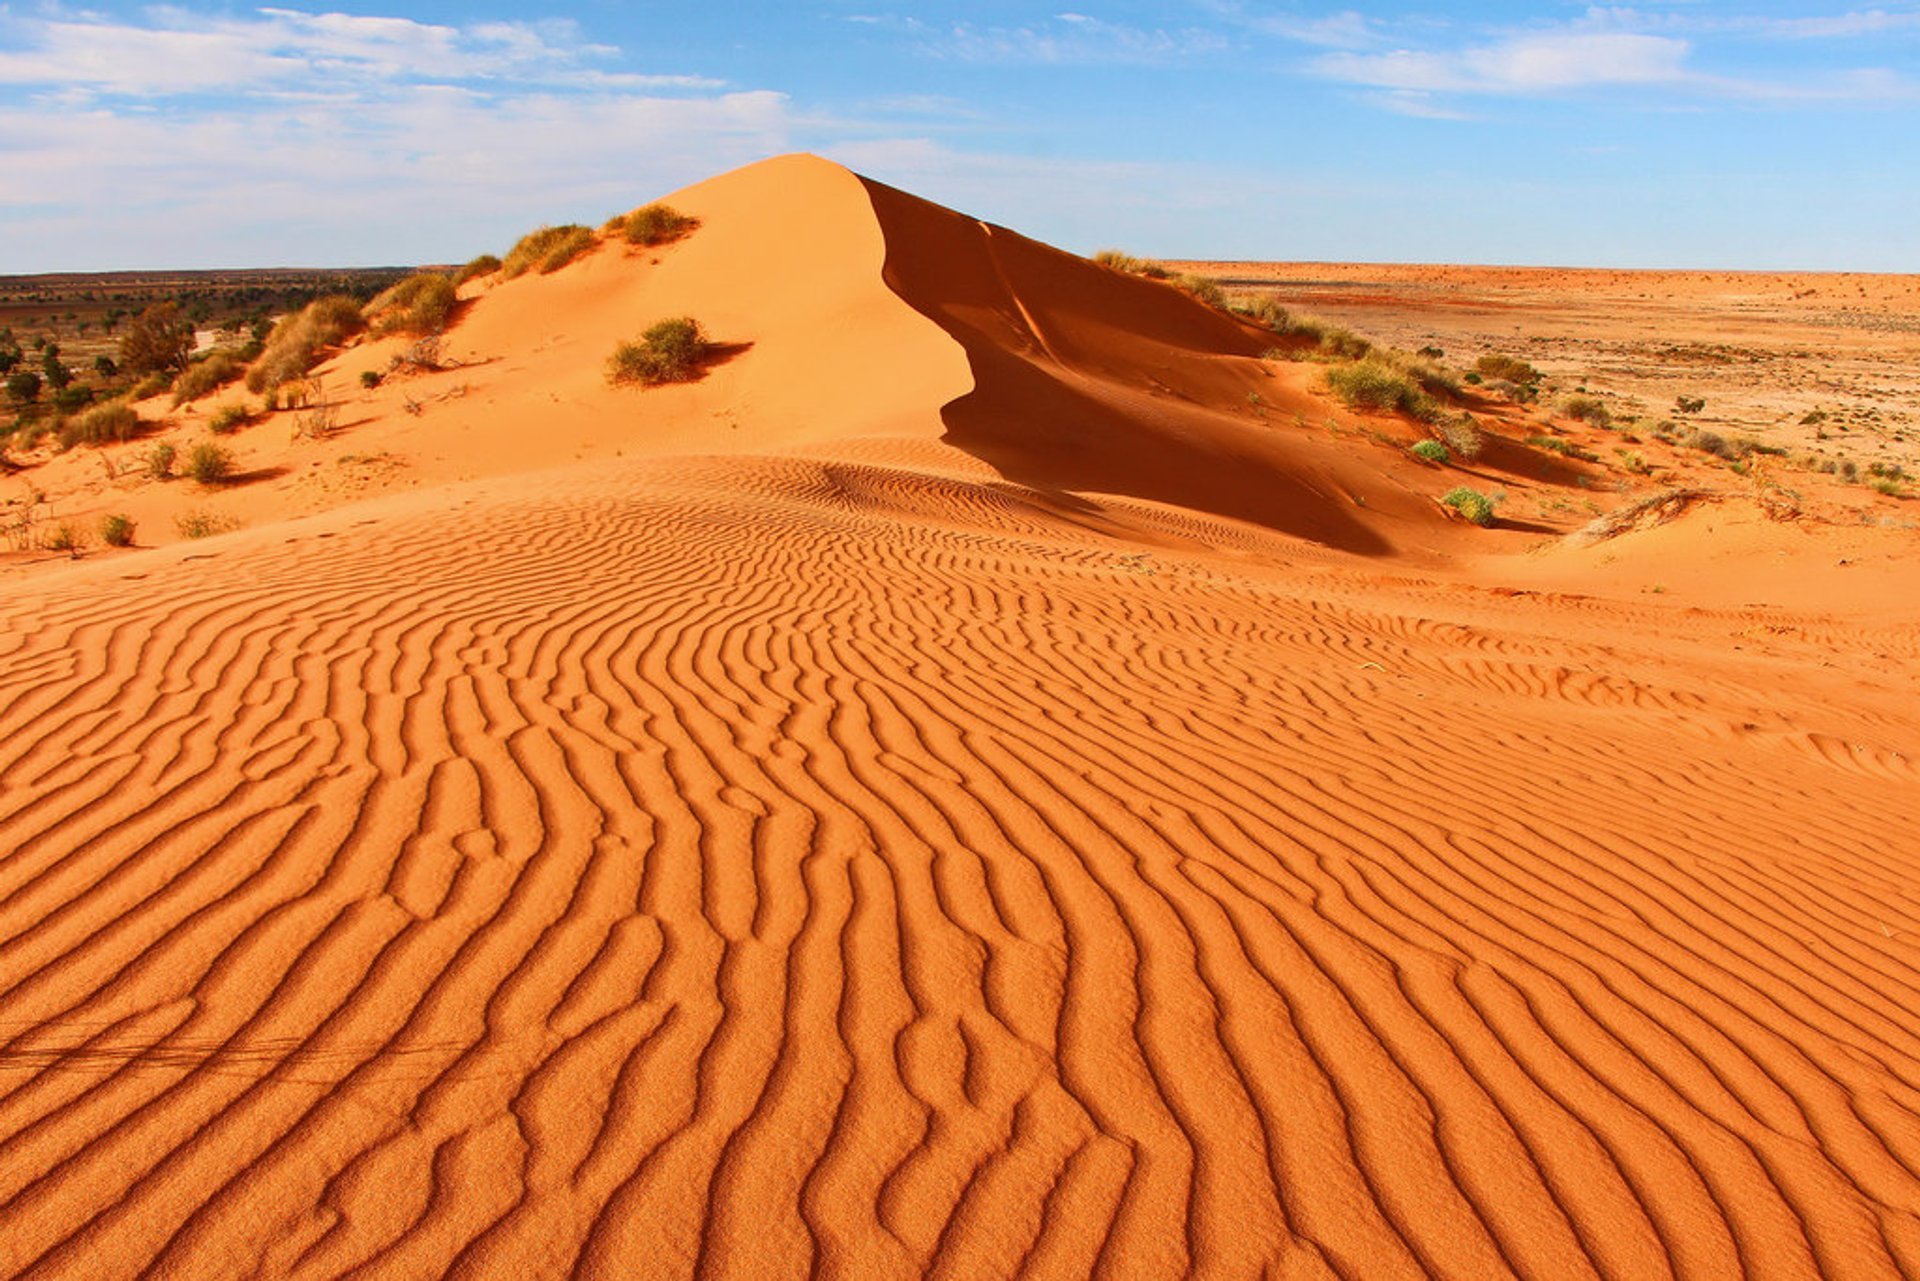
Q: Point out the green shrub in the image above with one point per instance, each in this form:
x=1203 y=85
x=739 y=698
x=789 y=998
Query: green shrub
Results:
x=1373 y=383
x=298 y=341
x=160 y=460
x=656 y=224
x=419 y=305
x=113 y=423
x=670 y=351
x=1497 y=368
x=152 y=385
x=1586 y=409
x=1471 y=503
x=116 y=531
x=229 y=418
x=209 y=463
x=484 y=265
x=1431 y=451
x=547 y=248
x=216 y=369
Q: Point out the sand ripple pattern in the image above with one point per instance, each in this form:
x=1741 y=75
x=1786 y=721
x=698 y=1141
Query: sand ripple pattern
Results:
x=774 y=869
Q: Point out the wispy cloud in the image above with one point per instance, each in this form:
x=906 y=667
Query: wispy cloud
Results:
x=1067 y=39
x=1521 y=64
x=1345 y=29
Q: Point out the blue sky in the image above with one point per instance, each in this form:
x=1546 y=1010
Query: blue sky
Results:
x=1760 y=135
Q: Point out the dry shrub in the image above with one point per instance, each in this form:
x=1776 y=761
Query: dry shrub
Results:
x=1587 y=409
x=1375 y=383
x=548 y=249
x=212 y=371
x=484 y=265
x=419 y=305
x=113 y=423
x=1498 y=368
x=656 y=224
x=670 y=351
x=298 y=341
x=1462 y=435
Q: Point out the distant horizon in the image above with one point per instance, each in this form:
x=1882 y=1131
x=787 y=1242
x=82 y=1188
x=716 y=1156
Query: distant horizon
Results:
x=1765 y=137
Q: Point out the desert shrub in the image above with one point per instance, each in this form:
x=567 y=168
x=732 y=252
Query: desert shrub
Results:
x=229 y=418
x=1512 y=369
x=1431 y=451
x=1204 y=288
x=299 y=340
x=669 y=351
x=1890 y=487
x=484 y=265
x=1689 y=404
x=1374 y=383
x=1586 y=409
x=547 y=248
x=1431 y=352
x=1712 y=442
x=160 y=460
x=1266 y=309
x=1553 y=444
x=419 y=305
x=1813 y=418
x=1462 y=435
x=24 y=386
x=199 y=523
x=1118 y=261
x=369 y=379
x=216 y=369
x=113 y=423
x=64 y=537
x=116 y=531
x=209 y=463
x=1849 y=470
x=152 y=385
x=1470 y=503
x=656 y=224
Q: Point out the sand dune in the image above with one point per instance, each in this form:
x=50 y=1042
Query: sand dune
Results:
x=886 y=849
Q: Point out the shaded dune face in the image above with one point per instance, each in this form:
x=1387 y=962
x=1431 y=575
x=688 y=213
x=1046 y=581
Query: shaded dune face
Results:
x=788 y=866
x=1086 y=379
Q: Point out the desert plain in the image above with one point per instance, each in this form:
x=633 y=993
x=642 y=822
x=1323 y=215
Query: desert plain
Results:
x=1004 y=773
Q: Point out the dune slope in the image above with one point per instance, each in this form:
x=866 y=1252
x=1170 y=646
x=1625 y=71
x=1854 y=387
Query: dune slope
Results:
x=856 y=861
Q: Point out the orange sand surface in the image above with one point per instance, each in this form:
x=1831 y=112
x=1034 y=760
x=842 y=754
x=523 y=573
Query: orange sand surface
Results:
x=994 y=779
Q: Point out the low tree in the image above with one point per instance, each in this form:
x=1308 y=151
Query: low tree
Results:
x=158 y=340
x=53 y=370
x=24 y=386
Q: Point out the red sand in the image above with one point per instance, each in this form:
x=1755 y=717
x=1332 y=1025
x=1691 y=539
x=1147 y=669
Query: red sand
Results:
x=959 y=790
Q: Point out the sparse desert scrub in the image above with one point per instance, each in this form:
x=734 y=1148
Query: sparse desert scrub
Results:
x=1203 y=288
x=116 y=530
x=216 y=369
x=113 y=423
x=160 y=460
x=669 y=351
x=1470 y=503
x=655 y=224
x=1131 y=265
x=1498 y=368
x=64 y=537
x=1462 y=435
x=201 y=523
x=209 y=464
x=548 y=249
x=1374 y=383
x=484 y=265
x=1431 y=451
x=419 y=305
x=298 y=341
x=1587 y=409
x=229 y=418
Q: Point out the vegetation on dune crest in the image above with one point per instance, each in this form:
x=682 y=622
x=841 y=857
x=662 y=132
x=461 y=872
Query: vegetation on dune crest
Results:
x=298 y=341
x=547 y=249
x=419 y=305
x=1470 y=503
x=484 y=265
x=669 y=351
x=216 y=369
x=110 y=424
x=654 y=224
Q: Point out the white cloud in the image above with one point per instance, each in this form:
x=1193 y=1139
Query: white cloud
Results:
x=1069 y=39
x=1865 y=22
x=1522 y=64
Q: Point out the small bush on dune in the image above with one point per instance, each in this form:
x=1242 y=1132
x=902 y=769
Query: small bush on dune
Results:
x=669 y=351
x=1374 y=383
x=655 y=224
x=419 y=305
x=1462 y=435
x=229 y=418
x=1498 y=368
x=160 y=461
x=216 y=369
x=298 y=341
x=209 y=463
x=548 y=249
x=1586 y=409
x=152 y=385
x=1431 y=451
x=484 y=265
x=110 y=424
x=1470 y=503
x=1132 y=266
x=1204 y=288
x=116 y=531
